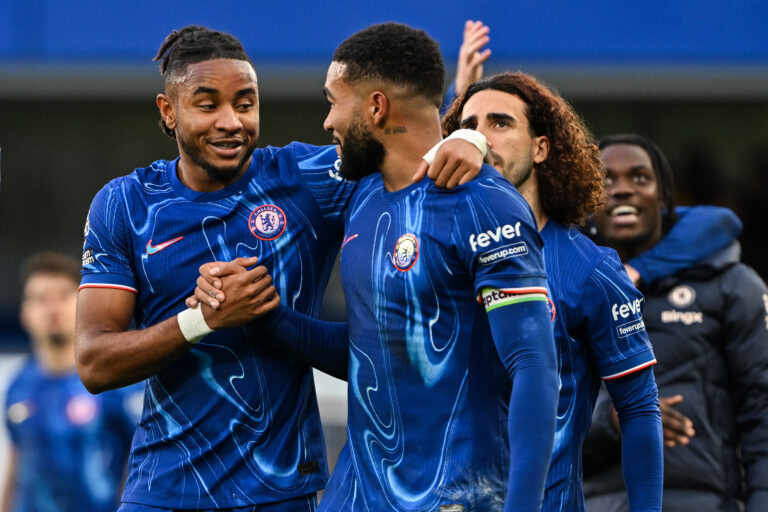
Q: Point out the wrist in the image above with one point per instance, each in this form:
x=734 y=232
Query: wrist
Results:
x=474 y=137
x=193 y=325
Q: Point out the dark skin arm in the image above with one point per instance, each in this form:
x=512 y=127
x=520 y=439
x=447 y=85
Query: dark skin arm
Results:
x=110 y=356
x=677 y=427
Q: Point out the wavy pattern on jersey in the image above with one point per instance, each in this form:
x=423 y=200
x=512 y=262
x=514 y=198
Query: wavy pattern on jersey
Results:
x=207 y=438
x=414 y=340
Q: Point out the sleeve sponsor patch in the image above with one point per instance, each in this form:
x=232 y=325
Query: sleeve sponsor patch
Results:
x=492 y=298
x=502 y=253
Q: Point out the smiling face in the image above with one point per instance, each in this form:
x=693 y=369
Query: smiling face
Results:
x=361 y=153
x=631 y=220
x=502 y=118
x=214 y=111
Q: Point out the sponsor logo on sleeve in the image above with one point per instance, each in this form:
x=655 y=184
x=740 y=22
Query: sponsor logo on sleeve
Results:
x=633 y=327
x=632 y=308
x=627 y=309
x=87 y=228
x=492 y=298
x=88 y=256
x=406 y=252
x=335 y=171
x=267 y=222
x=503 y=253
x=484 y=239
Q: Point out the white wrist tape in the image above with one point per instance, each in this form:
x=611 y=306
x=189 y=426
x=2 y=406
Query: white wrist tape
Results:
x=474 y=137
x=193 y=325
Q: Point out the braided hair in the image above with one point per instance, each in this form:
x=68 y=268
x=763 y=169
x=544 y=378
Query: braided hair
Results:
x=190 y=45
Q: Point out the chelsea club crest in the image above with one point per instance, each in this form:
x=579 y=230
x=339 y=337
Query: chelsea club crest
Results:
x=406 y=252
x=267 y=222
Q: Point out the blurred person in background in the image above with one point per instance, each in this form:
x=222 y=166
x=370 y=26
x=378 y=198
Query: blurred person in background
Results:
x=708 y=323
x=68 y=448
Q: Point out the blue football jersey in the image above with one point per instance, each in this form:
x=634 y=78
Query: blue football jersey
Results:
x=235 y=421
x=428 y=394
x=72 y=446
x=600 y=334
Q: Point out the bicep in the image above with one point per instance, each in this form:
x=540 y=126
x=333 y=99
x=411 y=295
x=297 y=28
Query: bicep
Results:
x=102 y=310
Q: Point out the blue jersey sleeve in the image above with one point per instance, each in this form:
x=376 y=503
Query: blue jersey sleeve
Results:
x=322 y=344
x=495 y=236
x=612 y=311
x=525 y=342
x=699 y=232
x=319 y=165
x=637 y=406
x=106 y=251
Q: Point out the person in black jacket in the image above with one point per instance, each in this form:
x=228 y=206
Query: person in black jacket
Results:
x=708 y=324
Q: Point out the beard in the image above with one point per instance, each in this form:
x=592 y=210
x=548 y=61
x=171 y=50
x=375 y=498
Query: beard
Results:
x=223 y=175
x=516 y=173
x=361 y=153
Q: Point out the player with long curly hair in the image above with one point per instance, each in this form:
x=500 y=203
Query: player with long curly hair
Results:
x=542 y=146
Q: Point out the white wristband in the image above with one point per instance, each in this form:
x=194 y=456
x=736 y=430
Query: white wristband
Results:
x=474 y=137
x=193 y=325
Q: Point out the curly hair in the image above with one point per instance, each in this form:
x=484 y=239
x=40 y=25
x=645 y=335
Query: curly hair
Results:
x=570 y=179
x=190 y=45
x=395 y=53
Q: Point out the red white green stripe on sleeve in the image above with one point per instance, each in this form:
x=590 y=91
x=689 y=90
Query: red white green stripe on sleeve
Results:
x=493 y=298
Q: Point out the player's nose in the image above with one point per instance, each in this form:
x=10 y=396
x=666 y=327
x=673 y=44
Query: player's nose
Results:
x=228 y=120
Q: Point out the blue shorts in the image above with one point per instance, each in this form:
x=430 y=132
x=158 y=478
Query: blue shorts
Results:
x=306 y=503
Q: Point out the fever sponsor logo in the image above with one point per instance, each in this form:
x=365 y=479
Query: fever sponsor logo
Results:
x=625 y=330
x=626 y=309
x=267 y=222
x=406 y=252
x=335 y=172
x=502 y=253
x=485 y=238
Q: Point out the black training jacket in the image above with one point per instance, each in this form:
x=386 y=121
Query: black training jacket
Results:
x=709 y=329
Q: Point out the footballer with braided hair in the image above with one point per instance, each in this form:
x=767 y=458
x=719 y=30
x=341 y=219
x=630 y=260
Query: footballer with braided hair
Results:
x=227 y=423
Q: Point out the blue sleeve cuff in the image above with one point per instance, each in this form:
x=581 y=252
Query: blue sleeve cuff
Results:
x=628 y=366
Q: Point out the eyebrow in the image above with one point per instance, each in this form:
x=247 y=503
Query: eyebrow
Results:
x=634 y=168
x=468 y=121
x=327 y=93
x=209 y=90
x=491 y=116
x=496 y=116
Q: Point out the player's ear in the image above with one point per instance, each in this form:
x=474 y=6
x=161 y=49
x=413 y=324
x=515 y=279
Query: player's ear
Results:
x=167 y=110
x=540 y=149
x=379 y=107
